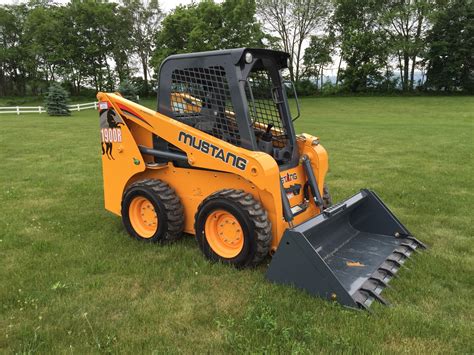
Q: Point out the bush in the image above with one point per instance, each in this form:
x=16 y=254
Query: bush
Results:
x=56 y=101
x=306 y=87
x=128 y=90
x=330 y=89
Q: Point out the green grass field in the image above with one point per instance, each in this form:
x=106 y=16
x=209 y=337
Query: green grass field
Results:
x=73 y=281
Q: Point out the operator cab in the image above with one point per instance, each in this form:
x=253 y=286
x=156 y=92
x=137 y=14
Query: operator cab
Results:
x=235 y=95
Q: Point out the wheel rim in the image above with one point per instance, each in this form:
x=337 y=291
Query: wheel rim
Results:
x=224 y=234
x=143 y=217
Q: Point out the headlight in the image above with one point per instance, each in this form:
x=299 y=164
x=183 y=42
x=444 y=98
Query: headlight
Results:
x=248 y=57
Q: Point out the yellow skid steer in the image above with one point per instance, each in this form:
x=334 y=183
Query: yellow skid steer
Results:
x=220 y=159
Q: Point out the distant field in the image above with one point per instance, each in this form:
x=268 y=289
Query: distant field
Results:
x=72 y=281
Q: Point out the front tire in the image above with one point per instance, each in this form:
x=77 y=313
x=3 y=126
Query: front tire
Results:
x=152 y=212
x=233 y=228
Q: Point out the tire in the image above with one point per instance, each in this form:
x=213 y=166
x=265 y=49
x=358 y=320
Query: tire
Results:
x=163 y=217
x=327 y=199
x=251 y=233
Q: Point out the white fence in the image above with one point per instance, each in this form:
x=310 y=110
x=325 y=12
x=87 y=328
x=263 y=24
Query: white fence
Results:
x=40 y=109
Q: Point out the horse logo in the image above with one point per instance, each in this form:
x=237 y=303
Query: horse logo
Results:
x=110 y=131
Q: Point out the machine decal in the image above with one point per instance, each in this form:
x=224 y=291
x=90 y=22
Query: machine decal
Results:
x=288 y=177
x=216 y=152
x=130 y=112
x=110 y=131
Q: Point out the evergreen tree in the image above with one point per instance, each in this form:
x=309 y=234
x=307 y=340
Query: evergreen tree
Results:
x=128 y=90
x=56 y=101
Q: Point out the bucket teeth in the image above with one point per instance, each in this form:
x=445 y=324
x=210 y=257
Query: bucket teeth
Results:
x=397 y=262
x=382 y=276
x=417 y=243
x=387 y=270
x=371 y=289
x=404 y=254
x=380 y=281
x=375 y=295
x=409 y=246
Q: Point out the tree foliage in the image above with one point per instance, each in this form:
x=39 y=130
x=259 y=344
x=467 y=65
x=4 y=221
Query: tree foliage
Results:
x=128 y=90
x=146 y=17
x=363 y=43
x=293 y=21
x=208 y=26
x=451 y=49
x=374 y=44
x=56 y=101
x=406 y=23
x=317 y=55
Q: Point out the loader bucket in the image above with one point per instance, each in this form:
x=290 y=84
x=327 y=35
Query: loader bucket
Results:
x=348 y=253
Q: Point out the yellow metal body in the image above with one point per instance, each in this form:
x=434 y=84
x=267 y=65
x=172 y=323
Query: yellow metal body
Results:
x=260 y=176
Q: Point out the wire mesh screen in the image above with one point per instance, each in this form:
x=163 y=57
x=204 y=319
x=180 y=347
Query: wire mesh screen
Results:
x=263 y=109
x=201 y=98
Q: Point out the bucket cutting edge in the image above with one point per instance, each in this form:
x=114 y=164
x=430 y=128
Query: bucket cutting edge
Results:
x=349 y=253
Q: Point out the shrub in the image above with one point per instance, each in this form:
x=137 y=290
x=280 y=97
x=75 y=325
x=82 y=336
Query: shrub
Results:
x=306 y=87
x=330 y=89
x=56 y=101
x=128 y=90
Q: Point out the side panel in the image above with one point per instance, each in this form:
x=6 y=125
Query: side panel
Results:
x=194 y=185
x=118 y=162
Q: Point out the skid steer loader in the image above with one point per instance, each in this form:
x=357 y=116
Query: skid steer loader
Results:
x=220 y=159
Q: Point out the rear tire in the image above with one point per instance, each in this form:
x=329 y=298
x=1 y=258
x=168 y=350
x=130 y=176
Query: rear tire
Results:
x=152 y=212
x=233 y=228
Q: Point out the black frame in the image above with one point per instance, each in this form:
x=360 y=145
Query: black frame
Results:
x=237 y=72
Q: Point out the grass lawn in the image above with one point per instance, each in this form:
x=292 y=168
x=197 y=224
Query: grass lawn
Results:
x=73 y=281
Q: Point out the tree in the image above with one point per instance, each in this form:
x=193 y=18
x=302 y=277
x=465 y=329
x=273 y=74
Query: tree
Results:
x=45 y=36
x=293 y=21
x=146 y=17
x=128 y=90
x=56 y=101
x=451 y=49
x=406 y=23
x=364 y=44
x=317 y=55
x=240 y=27
x=208 y=26
x=14 y=58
